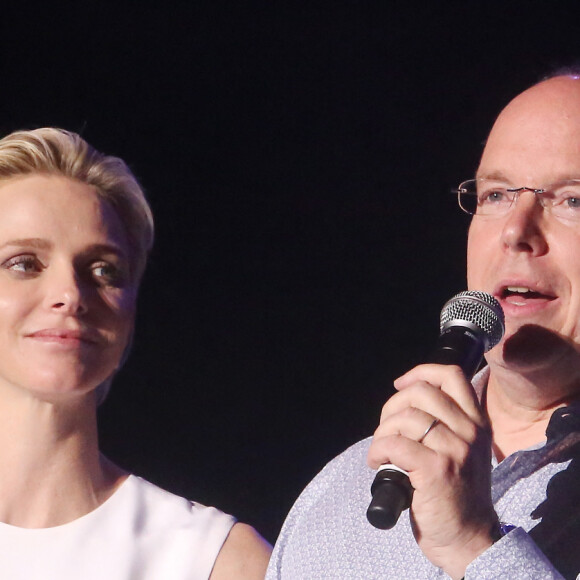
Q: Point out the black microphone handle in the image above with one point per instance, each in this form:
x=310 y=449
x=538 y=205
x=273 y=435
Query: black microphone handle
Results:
x=391 y=489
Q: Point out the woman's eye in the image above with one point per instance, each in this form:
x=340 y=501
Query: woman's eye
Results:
x=107 y=274
x=23 y=264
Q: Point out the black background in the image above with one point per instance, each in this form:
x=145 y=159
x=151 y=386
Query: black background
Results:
x=299 y=158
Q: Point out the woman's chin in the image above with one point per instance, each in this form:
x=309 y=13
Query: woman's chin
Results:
x=60 y=388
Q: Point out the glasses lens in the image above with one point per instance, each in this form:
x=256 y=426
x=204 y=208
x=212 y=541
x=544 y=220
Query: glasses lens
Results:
x=467 y=196
x=565 y=201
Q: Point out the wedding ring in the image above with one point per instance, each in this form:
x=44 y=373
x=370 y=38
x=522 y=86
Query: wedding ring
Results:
x=433 y=425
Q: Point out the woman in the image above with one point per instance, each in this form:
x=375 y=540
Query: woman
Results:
x=75 y=231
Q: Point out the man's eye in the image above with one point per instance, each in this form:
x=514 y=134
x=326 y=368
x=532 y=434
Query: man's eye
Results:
x=573 y=202
x=492 y=196
x=564 y=200
x=23 y=264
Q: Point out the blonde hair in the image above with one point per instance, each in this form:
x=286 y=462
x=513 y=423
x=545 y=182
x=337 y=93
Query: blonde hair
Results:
x=54 y=151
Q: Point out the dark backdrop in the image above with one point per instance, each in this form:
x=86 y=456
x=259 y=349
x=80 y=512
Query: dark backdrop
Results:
x=299 y=158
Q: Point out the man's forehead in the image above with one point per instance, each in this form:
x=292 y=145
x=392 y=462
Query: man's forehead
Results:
x=556 y=100
x=537 y=136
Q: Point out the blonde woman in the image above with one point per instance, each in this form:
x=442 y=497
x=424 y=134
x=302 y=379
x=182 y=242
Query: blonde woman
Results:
x=75 y=232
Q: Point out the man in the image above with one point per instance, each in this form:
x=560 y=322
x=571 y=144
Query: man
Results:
x=524 y=420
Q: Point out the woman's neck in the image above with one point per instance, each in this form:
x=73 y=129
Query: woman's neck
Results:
x=51 y=471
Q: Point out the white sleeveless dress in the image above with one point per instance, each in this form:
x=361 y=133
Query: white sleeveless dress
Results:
x=140 y=533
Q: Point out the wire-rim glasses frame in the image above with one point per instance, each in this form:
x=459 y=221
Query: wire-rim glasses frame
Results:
x=491 y=198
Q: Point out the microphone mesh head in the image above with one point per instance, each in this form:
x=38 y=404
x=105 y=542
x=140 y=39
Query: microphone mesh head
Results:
x=477 y=310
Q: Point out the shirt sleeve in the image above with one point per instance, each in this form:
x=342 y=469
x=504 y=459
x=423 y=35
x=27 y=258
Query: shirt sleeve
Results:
x=513 y=557
x=301 y=506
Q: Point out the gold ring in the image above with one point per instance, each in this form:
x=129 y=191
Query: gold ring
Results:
x=432 y=426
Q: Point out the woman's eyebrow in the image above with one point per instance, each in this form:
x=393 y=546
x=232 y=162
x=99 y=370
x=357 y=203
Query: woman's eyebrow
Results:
x=105 y=249
x=39 y=243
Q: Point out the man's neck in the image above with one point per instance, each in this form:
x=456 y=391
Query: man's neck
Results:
x=519 y=407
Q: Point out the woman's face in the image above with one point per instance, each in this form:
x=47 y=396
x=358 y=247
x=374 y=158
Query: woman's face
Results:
x=67 y=302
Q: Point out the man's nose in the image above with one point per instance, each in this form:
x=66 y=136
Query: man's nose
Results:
x=524 y=224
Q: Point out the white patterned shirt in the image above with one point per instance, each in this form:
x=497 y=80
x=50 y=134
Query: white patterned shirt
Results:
x=327 y=536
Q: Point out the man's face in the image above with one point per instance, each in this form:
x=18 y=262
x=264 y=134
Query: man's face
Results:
x=528 y=259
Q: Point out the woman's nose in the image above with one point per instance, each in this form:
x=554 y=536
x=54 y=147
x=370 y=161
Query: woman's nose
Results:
x=66 y=293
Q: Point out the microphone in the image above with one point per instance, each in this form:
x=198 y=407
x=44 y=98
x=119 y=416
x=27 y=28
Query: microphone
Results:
x=472 y=323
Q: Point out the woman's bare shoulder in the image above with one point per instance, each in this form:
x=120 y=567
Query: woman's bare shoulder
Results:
x=244 y=555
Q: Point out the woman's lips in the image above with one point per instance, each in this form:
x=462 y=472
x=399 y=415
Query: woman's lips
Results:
x=63 y=336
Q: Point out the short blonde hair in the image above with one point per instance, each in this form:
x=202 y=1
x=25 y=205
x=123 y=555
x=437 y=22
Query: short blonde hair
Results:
x=54 y=151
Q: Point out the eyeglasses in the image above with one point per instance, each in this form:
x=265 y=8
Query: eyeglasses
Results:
x=492 y=198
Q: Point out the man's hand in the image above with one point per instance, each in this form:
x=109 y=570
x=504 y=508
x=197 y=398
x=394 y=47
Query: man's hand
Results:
x=452 y=513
